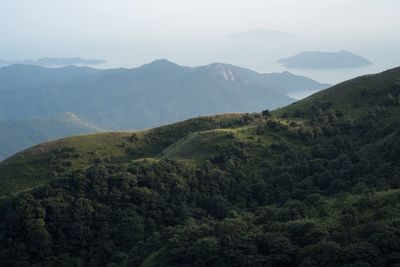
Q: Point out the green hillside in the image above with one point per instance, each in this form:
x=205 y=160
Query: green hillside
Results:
x=33 y=97
x=316 y=183
x=16 y=135
x=355 y=98
x=47 y=161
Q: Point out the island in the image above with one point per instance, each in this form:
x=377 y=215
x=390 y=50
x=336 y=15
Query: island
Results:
x=324 y=60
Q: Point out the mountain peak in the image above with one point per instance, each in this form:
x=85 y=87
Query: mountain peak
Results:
x=161 y=62
x=160 y=65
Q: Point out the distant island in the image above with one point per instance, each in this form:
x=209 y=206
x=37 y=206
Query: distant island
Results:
x=324 y=60
x=54 y=62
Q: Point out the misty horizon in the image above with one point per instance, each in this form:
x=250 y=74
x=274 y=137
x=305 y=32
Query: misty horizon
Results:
x=194 y=33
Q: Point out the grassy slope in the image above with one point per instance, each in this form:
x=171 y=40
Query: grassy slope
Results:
x=16 y=135
x=39 y=164
x=354 y=97
x=194 y=139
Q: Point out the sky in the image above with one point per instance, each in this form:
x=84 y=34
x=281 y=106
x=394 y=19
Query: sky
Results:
x=191 y=32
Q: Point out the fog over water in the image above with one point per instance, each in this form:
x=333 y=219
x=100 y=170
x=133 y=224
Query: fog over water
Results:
x=193 y=32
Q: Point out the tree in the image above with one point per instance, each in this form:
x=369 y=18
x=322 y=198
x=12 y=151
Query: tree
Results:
x=266 y=113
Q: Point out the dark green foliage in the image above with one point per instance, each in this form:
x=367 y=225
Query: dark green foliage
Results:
x=251 y=190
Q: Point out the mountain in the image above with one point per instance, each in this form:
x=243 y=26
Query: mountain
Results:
x=20 y=134
x=21 y=79
x=316 y=183
x=157 y=93
x=324 y=60
x=284 y=82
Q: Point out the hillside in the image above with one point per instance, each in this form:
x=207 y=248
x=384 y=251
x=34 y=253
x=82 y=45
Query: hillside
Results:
x=357 y=98
x=39 y=164
x=324 y=60
x=313 y=184
x=20 y=134
x=155 y=94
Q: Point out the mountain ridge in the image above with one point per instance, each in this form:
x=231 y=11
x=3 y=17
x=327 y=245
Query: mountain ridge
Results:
x=315 y=183
x=156 y=93
x=310 y=106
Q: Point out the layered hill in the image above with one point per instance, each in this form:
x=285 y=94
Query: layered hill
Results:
x=311 y=184
x=16 y=135
x=157 y=93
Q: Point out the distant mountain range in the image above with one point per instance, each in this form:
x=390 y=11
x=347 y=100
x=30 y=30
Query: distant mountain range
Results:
x=54 y=62
x=324 y=60
x=157 y=93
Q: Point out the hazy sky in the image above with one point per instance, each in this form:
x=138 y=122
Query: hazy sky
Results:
x=131 y=32
x=130 y=19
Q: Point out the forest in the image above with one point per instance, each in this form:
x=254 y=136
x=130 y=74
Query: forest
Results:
x=316 y=183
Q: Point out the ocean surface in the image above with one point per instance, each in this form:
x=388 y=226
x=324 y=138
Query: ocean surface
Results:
x=380 y=47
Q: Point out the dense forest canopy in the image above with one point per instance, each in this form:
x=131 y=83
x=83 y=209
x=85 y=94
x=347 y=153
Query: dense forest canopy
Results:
x=314 y=184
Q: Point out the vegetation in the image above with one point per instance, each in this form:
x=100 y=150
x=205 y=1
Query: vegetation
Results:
x=32 y=97
x=313 y=184
x=51 y=160
x=16 y=135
